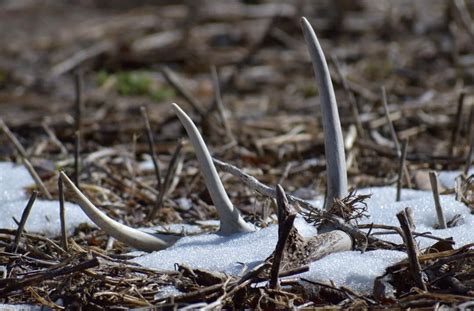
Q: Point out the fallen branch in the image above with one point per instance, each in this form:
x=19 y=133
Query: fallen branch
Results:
x=286 y=217
x=412 y=251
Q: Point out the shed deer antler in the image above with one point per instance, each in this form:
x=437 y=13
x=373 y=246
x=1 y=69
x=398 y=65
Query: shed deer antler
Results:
x=133 y=237
x=330 y=239
x=230 y=219
x=333 y=141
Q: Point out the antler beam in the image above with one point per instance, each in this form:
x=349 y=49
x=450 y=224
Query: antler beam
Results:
x=231 y=221
x=230 y=218
x=333 y=141
x=135 y=238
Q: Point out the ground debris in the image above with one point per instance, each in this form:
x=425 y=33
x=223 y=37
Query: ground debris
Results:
x=448 y=274
x=264 y=124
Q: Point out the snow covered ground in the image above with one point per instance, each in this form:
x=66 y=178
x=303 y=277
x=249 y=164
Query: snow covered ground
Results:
x=44 y=216
x=232 y=254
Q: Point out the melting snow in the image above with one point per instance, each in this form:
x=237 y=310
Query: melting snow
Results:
x=447 y=178
x=233 y=254
x=354 y=269
x=44 y=215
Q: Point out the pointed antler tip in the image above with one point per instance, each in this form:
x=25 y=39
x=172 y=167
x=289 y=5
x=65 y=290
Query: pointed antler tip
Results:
x=175 y=107
x=305 y=24
x=181 y=115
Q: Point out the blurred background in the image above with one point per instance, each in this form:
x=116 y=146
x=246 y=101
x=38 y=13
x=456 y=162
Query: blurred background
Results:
x=151 y=53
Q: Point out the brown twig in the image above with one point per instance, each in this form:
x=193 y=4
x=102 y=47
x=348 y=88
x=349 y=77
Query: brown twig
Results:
x=15 y=284
x=400 y=169
x=78 y=84
x=19 y=148
x=286 y=217
x=173 y=80
x=413 y=157
x=439 y=210
x=151 y=146
x=470 y=154
x=394 y=134
x=465 y=19
x=169 y=174
x=77 y=157
x=220 y=105
x=457 y=122
x=415 y=267
x=62 y=215
x=256 y=185
x=24 y=217
x=54 y=139
x=389 y=122
x=410 y=218
x=352 y=98
x=251 y=52
x=80 y=57
x=12 y=138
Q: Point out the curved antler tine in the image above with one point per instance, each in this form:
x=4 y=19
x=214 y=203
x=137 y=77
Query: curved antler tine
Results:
x=333 y=141
x=132 y=237
x=230 y=219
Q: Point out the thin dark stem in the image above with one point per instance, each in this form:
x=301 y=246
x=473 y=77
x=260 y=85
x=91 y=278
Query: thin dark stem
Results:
x=24 y=218
x=457 y=123
x=286 y=218
x=255 y=184
x=54 y=139
x=78 y=84
x=62 y=215
x=389 y=121
x=151 y=146
x=470 y=154
x=352 y=98
x=245 y=60
x=415 y=267
x=393 y=133
x=173 y=80
x=400 y=168
x=169 y=174
x=19 y=148
x=220 y=105
x=47 y=275
x=12 y=138
x=77 y=157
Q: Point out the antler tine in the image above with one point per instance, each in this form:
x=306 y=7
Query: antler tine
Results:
x=135 y=238
x=230 y=219
x=333 y=141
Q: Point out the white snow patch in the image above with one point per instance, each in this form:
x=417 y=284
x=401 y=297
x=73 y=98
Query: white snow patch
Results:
x=383 y=208
x=354 y=269
x=215 y=252
x=44 y=215
x=167 y=291
x=232 y=254
x=23 y=307
x=146 y=165
x=447 y=178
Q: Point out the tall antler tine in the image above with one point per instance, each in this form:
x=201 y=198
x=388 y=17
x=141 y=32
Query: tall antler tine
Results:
x=230 y=219
x=132 y=237
x=333 y=141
